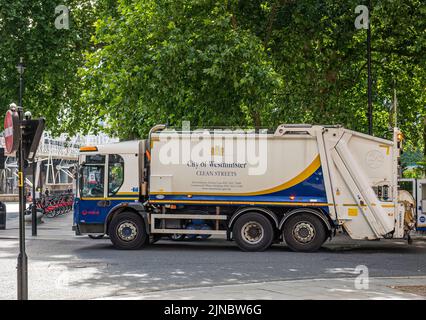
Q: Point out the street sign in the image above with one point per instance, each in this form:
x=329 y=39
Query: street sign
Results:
x=31 y=134
x=12 y=131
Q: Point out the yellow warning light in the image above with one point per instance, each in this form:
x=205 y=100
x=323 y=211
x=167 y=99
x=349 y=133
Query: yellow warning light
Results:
x=88 y=148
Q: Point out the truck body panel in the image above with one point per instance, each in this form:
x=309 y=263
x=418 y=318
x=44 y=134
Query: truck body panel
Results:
x=292 y=174
x=203 y=182
x=229 y=178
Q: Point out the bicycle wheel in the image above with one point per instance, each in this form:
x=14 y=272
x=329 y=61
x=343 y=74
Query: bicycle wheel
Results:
x=49 y=213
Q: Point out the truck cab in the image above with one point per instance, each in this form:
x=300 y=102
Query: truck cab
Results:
x=108 y=176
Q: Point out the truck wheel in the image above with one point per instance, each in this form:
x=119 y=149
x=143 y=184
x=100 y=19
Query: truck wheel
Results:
x=127 y=231
x=304 y=232
x=253 y=232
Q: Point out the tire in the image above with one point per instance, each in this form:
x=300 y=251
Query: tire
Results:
x=127 y=231
x=304 y=232
x=253 y=232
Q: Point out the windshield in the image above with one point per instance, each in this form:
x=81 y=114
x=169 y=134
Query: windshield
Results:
x=92 y=182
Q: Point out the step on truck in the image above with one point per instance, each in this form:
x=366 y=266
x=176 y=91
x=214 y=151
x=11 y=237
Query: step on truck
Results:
x=299 y=184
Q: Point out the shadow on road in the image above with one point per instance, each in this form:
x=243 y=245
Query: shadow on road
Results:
x=84 y=268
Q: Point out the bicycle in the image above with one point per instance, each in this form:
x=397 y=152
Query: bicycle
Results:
x=53 y=206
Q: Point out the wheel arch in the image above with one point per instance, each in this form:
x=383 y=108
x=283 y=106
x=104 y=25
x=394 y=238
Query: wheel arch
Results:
x=318 y=213
x=264 y=211
x=127 y=207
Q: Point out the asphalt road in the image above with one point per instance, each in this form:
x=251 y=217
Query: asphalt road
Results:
x=83 y=268
x=64 y=266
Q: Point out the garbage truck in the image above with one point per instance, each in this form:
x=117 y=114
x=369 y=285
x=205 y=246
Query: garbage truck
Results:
x=299 y=184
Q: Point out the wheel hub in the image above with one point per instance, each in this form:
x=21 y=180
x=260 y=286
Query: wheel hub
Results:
x=127 y=231
x=252 y=232
x=304 y=232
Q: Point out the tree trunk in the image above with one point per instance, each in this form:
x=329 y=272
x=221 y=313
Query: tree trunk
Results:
x=274 y=11
x=234 y=22
x=424 y=137
x=424 y=146
x=256 y=120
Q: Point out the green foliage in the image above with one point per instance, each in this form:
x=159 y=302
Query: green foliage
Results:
x=410 y=157
x=125 y=66
x=256 y=63
x=168 y=61
x=413 y=163
x=422 y=166
x=52 y=56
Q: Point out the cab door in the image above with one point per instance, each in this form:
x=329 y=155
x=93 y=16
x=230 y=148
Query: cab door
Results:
x=93 y=205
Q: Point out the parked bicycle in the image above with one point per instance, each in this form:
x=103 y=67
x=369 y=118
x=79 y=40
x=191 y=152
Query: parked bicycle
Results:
x=53 y=205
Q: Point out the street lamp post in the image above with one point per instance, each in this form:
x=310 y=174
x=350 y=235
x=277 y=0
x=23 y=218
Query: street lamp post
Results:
x=22 y=267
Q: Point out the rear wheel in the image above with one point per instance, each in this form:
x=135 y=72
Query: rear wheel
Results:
x=253 y=232
x=127 y=231
x=304 y=232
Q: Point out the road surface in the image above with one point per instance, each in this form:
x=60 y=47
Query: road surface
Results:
x=64 y=266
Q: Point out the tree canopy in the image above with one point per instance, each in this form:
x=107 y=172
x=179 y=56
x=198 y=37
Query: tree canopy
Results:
x=124 y=66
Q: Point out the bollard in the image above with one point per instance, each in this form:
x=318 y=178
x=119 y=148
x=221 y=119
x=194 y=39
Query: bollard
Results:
x=2 y=216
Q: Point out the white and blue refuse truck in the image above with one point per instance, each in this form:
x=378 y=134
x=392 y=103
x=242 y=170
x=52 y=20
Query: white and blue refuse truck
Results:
x=299 y=184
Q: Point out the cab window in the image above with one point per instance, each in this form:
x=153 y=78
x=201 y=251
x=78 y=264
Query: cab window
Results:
x=115 y=173
x=92 y=178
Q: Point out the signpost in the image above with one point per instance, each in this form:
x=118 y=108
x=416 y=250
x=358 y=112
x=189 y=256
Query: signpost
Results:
x=11 y=129
x=22 y=136
x=13 y=142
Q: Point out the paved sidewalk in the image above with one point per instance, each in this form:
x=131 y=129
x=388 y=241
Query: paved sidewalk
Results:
x=51 y=228
x=68 y=267
x=314 y=289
